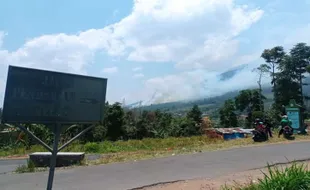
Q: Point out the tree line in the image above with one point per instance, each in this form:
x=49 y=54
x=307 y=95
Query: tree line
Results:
x=287 y=71
x=123 y=124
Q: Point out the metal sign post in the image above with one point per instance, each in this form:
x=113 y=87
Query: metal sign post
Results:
x=53 y=160
x=35 y=96
x=56 y=131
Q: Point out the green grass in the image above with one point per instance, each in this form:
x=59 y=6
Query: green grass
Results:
x=148 y=148
x=294 y=177
x=148 y=144
x=28 y=168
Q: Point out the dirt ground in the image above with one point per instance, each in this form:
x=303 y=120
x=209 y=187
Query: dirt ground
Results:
x=245 y=177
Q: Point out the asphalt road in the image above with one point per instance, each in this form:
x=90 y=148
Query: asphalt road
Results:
x=122 y=176
x=10 y=165
x=7 y=166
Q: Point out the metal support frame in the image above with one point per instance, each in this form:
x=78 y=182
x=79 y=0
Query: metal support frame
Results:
x=53 y=158
x=74 y=138
x=57 y=131
x=33 y=136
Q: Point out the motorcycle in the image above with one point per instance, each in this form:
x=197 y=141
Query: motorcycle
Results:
x=287 y=132
x=260 y=133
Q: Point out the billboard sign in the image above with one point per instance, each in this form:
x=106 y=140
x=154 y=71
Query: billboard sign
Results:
x=42 y=97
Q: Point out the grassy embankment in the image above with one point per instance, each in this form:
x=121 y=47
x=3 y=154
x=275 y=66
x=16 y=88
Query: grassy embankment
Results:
x=147 y=148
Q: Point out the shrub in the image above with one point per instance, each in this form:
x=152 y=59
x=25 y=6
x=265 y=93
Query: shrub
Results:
x=92 y=147
x=258 y=114
x=99 y=133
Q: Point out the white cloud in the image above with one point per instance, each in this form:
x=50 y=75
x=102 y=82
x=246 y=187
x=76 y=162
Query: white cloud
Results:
x=180 y=31
x=110 y=70
x=138 y=75
x=55 y=52
x=244 y=59
x=137 y=69
x=2 y=34
x=195 y=84
x=195 y=34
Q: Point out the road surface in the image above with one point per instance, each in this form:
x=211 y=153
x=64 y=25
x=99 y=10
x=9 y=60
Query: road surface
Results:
x=122 y=176
x=10 y=165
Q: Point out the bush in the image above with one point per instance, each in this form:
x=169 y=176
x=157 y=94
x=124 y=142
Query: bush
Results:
x=99 y=133
x=258 y=114
x=92 y=147
x=41 y=132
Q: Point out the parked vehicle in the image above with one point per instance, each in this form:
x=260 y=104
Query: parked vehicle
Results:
x=260 y=132
x=287 y=131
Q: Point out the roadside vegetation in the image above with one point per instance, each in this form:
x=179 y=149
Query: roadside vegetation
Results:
x=294 y=177
x=131 y=150
x=28 y=168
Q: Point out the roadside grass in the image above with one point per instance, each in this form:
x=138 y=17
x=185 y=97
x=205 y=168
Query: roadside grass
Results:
x=294 y=177
x=120 y=151
x=28 y=168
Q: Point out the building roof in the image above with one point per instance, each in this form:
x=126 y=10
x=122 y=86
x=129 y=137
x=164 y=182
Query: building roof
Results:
x=232 y=130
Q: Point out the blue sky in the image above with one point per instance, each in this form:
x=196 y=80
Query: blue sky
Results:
x=172 y=49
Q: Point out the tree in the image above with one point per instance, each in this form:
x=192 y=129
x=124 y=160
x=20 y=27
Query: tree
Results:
x=130 y=126
x=195 y=114
x=162 y=125
x=287 y=86
x=114 y=120
x=194 y=117
x=257 y=100
x=99 y=133
x=287 y=71
x=273 y=57
x=308 y=68
x=300 y=57
x=184 y=126
x=228 y=117
x=0 y=115
x=142 y=126
x=250 y=99
x=261 y=70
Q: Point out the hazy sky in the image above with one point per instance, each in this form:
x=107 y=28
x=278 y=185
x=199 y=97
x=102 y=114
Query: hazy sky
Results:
x=172 y=49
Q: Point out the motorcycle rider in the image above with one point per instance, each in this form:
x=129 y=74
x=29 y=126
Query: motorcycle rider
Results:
x=268 y=127
x=260 y=128
x=258 y=123
x=284 y=122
